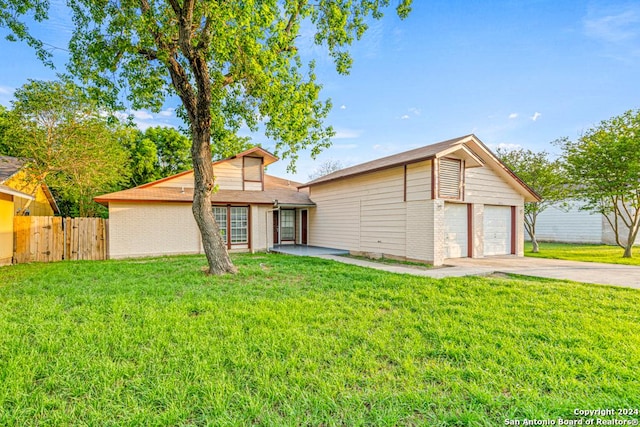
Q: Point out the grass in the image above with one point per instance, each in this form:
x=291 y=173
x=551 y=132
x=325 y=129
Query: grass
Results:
x=583 y=252
x=305 y=341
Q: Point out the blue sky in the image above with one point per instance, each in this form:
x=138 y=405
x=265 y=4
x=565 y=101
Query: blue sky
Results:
x=515 y=73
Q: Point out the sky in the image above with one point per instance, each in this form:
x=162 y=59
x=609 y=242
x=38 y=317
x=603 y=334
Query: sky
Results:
x=518 y=73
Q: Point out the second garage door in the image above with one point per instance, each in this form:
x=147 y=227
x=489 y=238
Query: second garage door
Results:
x=497 y=230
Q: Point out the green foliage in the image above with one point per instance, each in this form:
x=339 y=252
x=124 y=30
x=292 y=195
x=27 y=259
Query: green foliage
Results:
x=605 y=165
x=156 y=153
x=581 y=252
x=294 y=341
x=11 y=17
x=545 y=176
x=70 y=145
x=241 y=57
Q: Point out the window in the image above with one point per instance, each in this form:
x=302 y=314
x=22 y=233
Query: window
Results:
x=252 y=169
x=220 y=214
x=450 y=182
x=287 y=225
x=239 y=225
x=237 y=219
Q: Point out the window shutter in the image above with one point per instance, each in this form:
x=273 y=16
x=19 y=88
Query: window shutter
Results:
x=450 y=179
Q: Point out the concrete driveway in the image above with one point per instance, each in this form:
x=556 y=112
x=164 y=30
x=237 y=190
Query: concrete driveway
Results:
x=586 y=272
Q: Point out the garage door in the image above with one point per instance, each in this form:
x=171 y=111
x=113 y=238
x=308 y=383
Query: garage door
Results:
x=455 y=230
x=497 y=230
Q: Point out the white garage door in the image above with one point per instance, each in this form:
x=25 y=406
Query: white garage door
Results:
x=455 y=230
x=497 y=230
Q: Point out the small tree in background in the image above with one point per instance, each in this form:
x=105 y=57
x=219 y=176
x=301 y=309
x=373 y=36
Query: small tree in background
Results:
x=604 y=165
x=544 y=176
x=68 y=143
x=325 y=168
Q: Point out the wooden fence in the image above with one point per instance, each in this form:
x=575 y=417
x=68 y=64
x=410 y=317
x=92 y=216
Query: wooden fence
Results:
x=48 y=239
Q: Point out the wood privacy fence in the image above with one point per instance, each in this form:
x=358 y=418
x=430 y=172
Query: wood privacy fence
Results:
x=49 y=238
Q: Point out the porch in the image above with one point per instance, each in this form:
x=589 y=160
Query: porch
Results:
x=304 y=250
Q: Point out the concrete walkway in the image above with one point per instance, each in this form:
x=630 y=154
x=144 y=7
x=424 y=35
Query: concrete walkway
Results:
x=586 y=272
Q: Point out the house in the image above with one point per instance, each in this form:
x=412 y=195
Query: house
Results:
x=19 y=195
x=572 y=224
x=450 y=199
x=156 y=218
x=447 y=200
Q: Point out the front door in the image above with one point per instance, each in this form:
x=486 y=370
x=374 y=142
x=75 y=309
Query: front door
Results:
x=303 y=229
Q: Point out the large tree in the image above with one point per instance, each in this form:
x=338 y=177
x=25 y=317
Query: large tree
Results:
x=69 y=143
x=544 y=175
x=604 y=165
x=230 y=63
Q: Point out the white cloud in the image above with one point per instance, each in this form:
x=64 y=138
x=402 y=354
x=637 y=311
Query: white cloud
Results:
x=405 y=117
x=169 y=112
x=343 y=107
x=613 y=27
x=513 y=115
x=347 y=133
x=415 y=111
x=141 y=115
x=535 y=116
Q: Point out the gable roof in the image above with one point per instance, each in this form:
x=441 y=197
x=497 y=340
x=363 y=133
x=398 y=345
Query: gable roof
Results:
x=275 y=189
x=468 y=147
x=252 y=152
x=9 y=166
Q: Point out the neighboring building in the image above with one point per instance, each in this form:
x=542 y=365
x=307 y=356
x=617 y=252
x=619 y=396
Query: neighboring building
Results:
x=156 y=218
x=574 y=225
x=447 y=200
x=19 y=196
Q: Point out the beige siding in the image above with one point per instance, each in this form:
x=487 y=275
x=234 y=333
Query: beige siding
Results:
x=419 y=181
x=228 y=177
x=252 y=186
x=152 y=229
x=364 y=213
x=483 y=185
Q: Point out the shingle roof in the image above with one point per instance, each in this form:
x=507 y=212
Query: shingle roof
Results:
x=416 y=155
x=9 y=166
x=282 y=190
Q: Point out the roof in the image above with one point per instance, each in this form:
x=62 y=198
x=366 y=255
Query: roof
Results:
x=10 y=191
x=406 y=157
x=9 y=166
x=469 y=147
x=282 y=190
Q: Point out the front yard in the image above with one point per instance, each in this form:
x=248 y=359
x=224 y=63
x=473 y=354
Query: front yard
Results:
x=303 y=341
x=584 y=252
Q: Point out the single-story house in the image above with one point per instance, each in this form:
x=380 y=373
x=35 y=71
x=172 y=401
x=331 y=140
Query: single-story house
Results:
x=571 y=224
x=446 y=200
x=19 y=196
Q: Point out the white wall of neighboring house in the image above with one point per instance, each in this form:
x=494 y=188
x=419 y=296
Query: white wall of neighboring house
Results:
x=574 y=225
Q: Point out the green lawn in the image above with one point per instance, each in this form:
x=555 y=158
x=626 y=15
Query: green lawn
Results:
x=588 y=253
x=303 y=341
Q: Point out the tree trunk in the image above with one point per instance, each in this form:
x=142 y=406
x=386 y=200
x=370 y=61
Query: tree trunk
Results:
x=627 y=250
x=534 y=243
x=214 y=247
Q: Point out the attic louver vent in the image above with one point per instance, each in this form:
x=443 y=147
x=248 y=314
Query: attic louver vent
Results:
x=450 y=179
